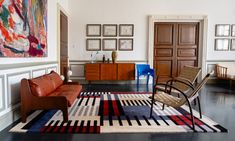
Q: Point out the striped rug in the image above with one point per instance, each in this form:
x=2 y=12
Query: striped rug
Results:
x=116 y=112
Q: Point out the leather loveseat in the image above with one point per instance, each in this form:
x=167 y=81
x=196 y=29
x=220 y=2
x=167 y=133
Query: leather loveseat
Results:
x=47 y=92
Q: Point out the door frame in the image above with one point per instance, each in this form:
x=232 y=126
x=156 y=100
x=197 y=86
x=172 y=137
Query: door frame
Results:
x=59 y=10
x=202 y=45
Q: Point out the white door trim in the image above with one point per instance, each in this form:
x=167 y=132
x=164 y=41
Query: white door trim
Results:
x=59 y=10
x=202 y=19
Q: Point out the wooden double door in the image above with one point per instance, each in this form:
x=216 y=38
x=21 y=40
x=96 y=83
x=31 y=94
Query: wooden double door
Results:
x=175 y=45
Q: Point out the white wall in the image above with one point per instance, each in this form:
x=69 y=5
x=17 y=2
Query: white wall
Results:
x=136 y=12
x=52 y=36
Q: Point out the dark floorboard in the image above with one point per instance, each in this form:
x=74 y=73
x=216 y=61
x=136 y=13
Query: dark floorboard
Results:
x=218 y=103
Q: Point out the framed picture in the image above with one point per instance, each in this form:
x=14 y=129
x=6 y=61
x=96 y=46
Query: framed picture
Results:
x=109 y=44
x=126 y=44
x=93 y=29
x=233 y=30
x=222 y=30
x=232 y=47
x=93 y=44
x=222 y=44
x=109 y=30
x=126 y=30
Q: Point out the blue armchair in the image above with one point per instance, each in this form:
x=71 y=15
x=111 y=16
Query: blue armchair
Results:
x=144 y=69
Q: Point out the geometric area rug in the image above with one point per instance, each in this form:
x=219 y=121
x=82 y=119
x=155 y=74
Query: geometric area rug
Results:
x=116 y=112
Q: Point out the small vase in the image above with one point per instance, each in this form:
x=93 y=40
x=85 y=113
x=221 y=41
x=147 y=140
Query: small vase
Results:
x=114 y=56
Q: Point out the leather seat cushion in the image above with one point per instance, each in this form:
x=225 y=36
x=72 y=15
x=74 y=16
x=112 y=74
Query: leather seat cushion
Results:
x=71 y=92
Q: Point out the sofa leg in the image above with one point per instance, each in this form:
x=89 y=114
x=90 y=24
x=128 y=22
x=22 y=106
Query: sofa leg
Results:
x=23 y=117
x=65 y=115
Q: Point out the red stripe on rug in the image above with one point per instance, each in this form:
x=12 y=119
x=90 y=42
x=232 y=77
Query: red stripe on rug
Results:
x=62 y=129
x=106 y=107
x=56 y=129
x=84 y=128
x=177 y=120
x=115 y=108
x=198 y=122
x=70 y=130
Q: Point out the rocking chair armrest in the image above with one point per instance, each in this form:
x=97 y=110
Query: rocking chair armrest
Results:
x=167 y=85
x=181 y=80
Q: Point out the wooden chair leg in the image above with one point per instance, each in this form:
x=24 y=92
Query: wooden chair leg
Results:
x=199 y=107
x=192 y=117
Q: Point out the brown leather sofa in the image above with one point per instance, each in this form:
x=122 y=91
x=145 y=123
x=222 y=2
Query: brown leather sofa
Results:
x=47 y=92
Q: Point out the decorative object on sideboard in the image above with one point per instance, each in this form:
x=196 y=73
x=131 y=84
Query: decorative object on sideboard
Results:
x=126 y=30
x=93 y=56
x=222 y=44
x=126 y=44
x=109 y=44
x=222 y=30
x=114 y=56
x=93 y=30
x=110 y=30
x=93 y=44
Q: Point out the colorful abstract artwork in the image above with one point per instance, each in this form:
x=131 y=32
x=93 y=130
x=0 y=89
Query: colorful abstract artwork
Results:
x=23 y=28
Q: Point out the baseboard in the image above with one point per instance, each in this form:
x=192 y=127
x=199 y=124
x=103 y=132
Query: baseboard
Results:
x=8 y=118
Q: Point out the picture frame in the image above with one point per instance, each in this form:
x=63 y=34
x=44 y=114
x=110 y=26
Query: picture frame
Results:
x=125 y=44
x=93 y=44
x=233 y=30
x=126 y=30
x=110 y=30
x=93 y=30
x=232 y=46
x=222 y=30
x=222 y=44
x=109 y=44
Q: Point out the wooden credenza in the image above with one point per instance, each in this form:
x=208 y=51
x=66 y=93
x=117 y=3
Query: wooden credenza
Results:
x=109 y=71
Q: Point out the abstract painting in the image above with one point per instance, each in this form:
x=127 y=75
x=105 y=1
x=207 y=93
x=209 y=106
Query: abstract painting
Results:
x=23 y=28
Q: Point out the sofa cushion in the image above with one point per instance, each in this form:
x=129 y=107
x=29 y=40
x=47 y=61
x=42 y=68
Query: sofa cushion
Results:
x=71 y=92
x=41 y=86
x=55 y=79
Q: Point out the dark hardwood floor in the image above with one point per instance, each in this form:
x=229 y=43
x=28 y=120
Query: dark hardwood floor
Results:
x=218 y=103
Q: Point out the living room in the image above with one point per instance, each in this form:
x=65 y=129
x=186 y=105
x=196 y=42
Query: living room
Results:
x=142 y=16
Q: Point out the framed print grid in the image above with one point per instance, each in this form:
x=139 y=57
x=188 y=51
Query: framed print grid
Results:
x=222 y=30
x=222 y=44
x=125 y=44
x=93 y=30
x=93 y=44
x=109 y=44
x=110 y=30
x=126 y=30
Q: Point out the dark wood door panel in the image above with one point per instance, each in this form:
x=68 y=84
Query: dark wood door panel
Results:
x=186 y=52
x=164 y=68
x=175 y=45
x=187 y=34
x=163 y=52
x=164 y=34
